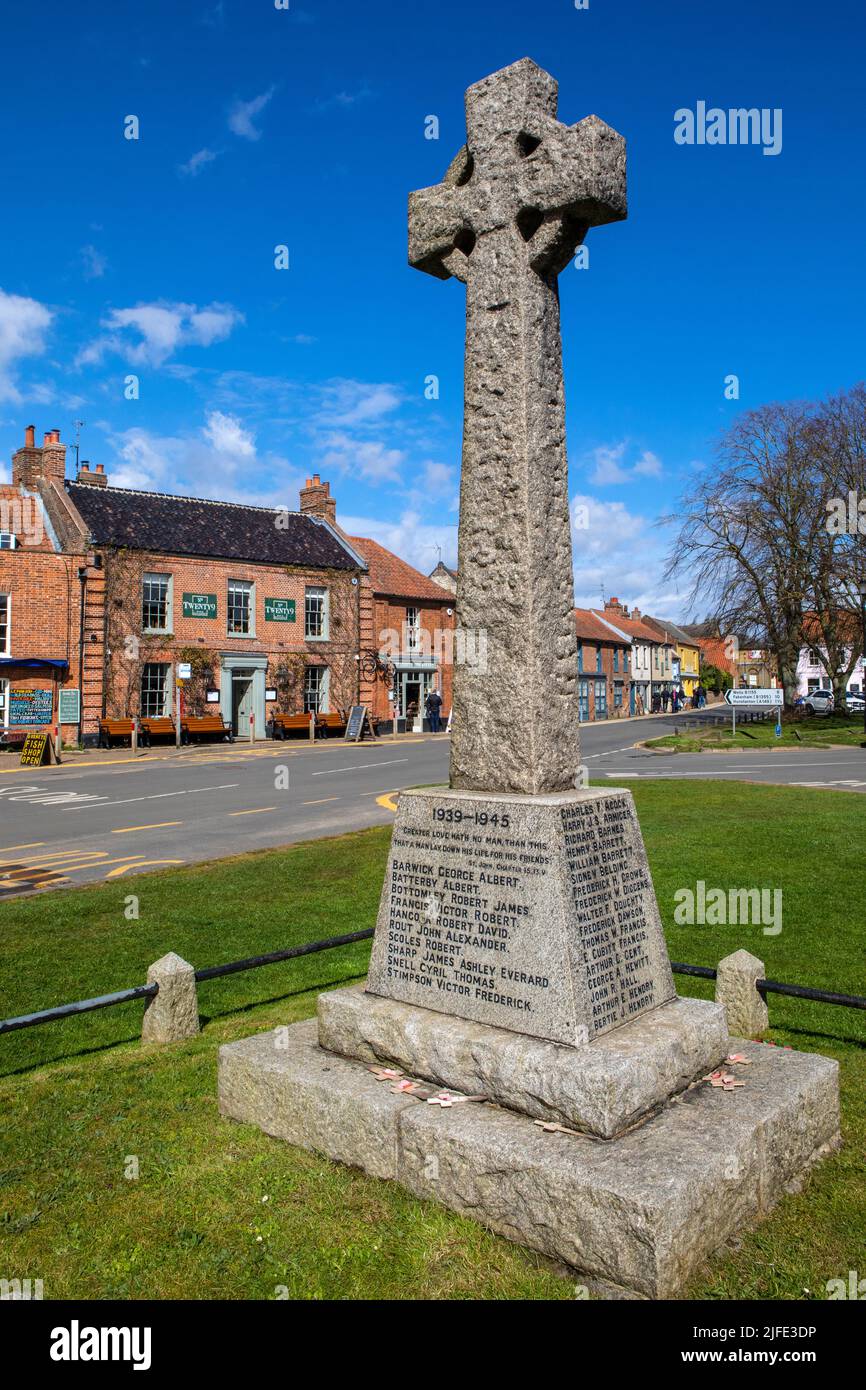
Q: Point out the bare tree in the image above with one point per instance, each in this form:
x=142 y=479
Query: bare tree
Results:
x=748 y=532
x=835 y=622
x=761 y=541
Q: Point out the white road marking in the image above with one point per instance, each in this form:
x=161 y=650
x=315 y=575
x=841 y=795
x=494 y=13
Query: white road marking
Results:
x=358 y=767
x=159 y=796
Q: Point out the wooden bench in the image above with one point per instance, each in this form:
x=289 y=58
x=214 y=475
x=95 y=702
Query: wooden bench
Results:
x=290 y=725
x=330 y=725
x=114 y=728
x=152 y=728
x=205 y=726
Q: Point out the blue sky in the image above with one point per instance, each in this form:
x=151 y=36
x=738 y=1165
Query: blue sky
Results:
x=306 y=127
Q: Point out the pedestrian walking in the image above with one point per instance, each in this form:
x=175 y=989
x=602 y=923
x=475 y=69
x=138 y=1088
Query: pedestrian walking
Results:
x=433 y=706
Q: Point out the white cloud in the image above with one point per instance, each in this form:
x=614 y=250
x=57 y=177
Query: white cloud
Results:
x=220 y=460
x=438 y=477
x=610 y=467
x=412 y=539
x=343 y=99
x=94 y=263
x=162 y=328
x=228 y=436
x=649 y=465
x=197 y=162
x=624 y=553
x=347 y=402
x=23 y=325
x=243 y=113
x=364 y=458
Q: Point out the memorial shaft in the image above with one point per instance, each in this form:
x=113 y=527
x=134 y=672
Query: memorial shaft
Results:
x=515 y=722
x=516 y=201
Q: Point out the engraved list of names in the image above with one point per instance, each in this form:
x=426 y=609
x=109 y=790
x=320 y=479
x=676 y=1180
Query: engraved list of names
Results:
x=617 y=917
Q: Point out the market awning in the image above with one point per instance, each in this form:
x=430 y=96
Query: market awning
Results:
x=35 y=663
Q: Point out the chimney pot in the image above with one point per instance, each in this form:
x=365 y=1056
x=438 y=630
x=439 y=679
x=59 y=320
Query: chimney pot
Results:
x=100 y=468
x=30 y=437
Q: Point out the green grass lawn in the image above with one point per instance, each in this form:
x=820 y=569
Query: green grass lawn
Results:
x=818 y=732
x=221 y=1211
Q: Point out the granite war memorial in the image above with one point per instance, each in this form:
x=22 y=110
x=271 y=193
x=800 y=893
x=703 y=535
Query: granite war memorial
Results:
x=519 y=1052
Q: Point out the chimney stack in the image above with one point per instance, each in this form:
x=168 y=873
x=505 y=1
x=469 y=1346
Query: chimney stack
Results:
x=96 y=477
x=27 y=462
x=316 y=500
x=53 y=458
x=613 y=605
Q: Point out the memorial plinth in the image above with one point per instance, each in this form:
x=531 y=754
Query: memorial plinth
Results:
x=533 y=913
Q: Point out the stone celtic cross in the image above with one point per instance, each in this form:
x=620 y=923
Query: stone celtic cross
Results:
x=506 y=219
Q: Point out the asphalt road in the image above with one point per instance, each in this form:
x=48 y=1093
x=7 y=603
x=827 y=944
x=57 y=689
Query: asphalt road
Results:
x=110 y=820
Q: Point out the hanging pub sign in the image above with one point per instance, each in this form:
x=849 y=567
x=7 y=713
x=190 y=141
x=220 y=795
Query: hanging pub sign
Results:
x=279 y=610
x=199 y=605
x=30 y=706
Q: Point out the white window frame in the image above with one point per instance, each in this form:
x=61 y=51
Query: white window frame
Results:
x=322 y=692
x=4 y=701
x=249 y=586
x=148 y=578
x=317 y=591
x=6 y=648
x=413 y=629
x=11 y=538
x=166 y=694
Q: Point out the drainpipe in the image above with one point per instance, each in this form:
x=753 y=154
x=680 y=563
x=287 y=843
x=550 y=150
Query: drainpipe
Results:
x=82 y=578
x=358 y=637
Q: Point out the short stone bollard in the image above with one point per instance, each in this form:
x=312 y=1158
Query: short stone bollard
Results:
x=172 y=1013
x=745 y=1008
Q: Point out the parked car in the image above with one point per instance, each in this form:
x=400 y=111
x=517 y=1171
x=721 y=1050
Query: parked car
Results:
x=818 y=702
x=855 y=704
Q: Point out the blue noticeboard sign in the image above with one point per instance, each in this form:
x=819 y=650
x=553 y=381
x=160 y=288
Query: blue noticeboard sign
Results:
x=779 y=730
x=30 y=706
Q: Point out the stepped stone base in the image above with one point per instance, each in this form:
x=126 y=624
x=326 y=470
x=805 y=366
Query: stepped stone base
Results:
x=603 y=1087
x=636 y=1216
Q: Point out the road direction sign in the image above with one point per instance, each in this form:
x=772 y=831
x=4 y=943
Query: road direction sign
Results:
x=756 y=698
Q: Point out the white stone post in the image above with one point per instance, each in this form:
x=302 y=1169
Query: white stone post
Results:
x=172 y=1013
x=745 y=1008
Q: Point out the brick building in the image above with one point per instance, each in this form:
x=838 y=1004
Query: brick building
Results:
x=407 y=625
x=651 y=656
x=105 y=591
x=262 y=604
x=39 y=591
x=603 y=668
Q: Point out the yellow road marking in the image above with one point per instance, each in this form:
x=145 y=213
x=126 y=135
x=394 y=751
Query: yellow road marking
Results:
x=56 y=856
x=140 y=864
x=321 y=801
x=97 y=861
x=387 y=801
x=256 y=811
x=34 y=844
x=158 y=825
